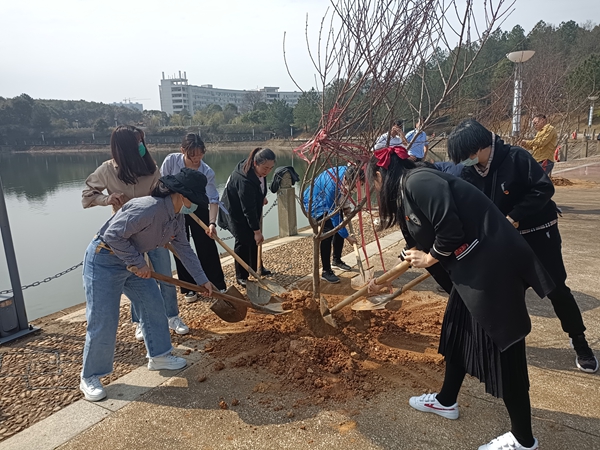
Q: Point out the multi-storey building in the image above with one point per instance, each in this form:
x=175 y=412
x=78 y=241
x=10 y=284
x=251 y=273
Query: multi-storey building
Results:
x=176 y=94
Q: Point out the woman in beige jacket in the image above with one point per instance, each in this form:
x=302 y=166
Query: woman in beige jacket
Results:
x=132 y=173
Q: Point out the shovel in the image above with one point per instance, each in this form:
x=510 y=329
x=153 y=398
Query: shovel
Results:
x=362 y=278
x=388 y=276
x=232 y=306
x=260 y=295
x=379 y=301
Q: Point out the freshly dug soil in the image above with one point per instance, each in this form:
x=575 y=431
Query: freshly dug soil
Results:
x=360 y=358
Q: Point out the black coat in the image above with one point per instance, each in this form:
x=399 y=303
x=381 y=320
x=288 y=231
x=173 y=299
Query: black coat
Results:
x=488 y=261
x=243 y=198
x=517 y=185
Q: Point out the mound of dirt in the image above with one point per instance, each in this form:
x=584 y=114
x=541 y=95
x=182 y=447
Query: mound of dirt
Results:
x=361 y=357
x=560 y=181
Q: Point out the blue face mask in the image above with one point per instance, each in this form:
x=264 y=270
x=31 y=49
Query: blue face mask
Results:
x=142 y=149
x=185 y=210
x=470 y=162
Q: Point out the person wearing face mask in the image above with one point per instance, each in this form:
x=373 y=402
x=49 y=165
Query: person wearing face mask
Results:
x=132 y=173
x=517 y=184
x=191 y=156
x=114 y=264
x=243 y=199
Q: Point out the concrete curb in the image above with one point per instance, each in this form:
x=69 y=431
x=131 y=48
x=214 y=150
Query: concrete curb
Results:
x=73 y=420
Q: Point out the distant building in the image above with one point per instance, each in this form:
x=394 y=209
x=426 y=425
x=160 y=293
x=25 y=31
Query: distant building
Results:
x=130 y=105
x=176 y=94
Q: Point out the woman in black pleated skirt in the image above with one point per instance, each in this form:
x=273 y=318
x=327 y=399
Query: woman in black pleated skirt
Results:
x=447 y=222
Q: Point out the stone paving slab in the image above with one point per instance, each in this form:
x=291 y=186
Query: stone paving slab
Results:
x=58 y=428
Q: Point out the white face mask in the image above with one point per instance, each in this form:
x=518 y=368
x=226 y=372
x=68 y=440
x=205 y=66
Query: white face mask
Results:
x=470 y=162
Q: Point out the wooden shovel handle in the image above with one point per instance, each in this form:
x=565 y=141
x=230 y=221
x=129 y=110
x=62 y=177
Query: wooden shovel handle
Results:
x=227 y=248
x=196 y=288
x=389 y=275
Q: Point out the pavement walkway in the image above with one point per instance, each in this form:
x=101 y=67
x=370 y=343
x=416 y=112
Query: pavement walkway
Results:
x=166 y=410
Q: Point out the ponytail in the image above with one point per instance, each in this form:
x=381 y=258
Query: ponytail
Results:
x=258 y=156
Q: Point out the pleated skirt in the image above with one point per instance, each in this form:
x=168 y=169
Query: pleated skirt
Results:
x=464 y=342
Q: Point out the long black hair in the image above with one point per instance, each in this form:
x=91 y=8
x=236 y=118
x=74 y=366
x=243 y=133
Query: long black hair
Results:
x=125 y=152
x=257 y=157
x=390 y=204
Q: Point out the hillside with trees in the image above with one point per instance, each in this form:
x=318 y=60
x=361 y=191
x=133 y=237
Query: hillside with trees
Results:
x=557 y=81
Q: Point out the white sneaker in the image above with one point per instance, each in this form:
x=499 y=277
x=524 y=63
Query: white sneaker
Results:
x=507 y=442
x=138 y=332
x=429 y=403
x=191 y=297
x=177 y=325
x=92 y=389
x=167 y=362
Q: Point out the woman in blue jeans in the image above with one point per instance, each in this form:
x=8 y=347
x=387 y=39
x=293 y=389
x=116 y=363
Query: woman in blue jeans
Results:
x=132 y=173
x=142 y=224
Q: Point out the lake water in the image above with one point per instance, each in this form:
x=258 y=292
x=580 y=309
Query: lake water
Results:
x=51 y=230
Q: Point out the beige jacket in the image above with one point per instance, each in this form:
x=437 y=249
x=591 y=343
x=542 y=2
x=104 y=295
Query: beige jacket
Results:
x=105 y=178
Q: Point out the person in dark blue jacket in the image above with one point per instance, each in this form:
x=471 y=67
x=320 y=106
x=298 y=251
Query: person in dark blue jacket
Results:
x=327 y=192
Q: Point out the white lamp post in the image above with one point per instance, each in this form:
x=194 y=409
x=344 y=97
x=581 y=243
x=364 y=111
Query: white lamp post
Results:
x=518 y=58
x=592 y=99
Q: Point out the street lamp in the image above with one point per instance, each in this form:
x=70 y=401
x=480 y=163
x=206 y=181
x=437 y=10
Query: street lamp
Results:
x=518 y=58
x=592 y=99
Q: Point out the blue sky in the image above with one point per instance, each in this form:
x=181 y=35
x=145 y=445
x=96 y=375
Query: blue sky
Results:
x=111 y=50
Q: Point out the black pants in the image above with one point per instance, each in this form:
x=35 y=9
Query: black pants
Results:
x=207 y=252
x=516 y=401
x=325 y=248
x=546 y=244
x=249 y=254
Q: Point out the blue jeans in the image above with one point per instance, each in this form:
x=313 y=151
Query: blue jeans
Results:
x=161 y=263
x=105 y=278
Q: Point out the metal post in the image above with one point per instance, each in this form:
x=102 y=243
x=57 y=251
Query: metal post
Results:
x=516 y=122
x=18 y=303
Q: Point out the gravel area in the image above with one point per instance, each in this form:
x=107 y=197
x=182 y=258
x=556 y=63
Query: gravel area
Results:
x=39 y=374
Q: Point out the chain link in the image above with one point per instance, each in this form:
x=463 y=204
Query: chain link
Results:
x=264 y=215
x=269 y=210
x=45 y=280
x=70 y=269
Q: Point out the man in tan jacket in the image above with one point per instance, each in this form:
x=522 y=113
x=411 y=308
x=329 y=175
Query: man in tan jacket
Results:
x=543 y=145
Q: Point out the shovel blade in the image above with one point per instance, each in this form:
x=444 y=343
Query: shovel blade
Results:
x=259 y=295
x=228 y=311
x=326 y=312
x=370 y=304
x=359 y=281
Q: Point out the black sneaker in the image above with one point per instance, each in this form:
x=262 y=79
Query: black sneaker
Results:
x=585 y=360
x=241 y=281
x=330 y=277
x=340 y=264
x=265 y=272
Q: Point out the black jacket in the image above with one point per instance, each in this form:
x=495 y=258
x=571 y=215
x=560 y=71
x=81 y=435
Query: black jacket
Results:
x=517 y=185
x=278 y=175
x=488 y=261
x=243 y=198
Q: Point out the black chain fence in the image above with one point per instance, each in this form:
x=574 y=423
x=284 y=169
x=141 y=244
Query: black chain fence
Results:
x=71 y=269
